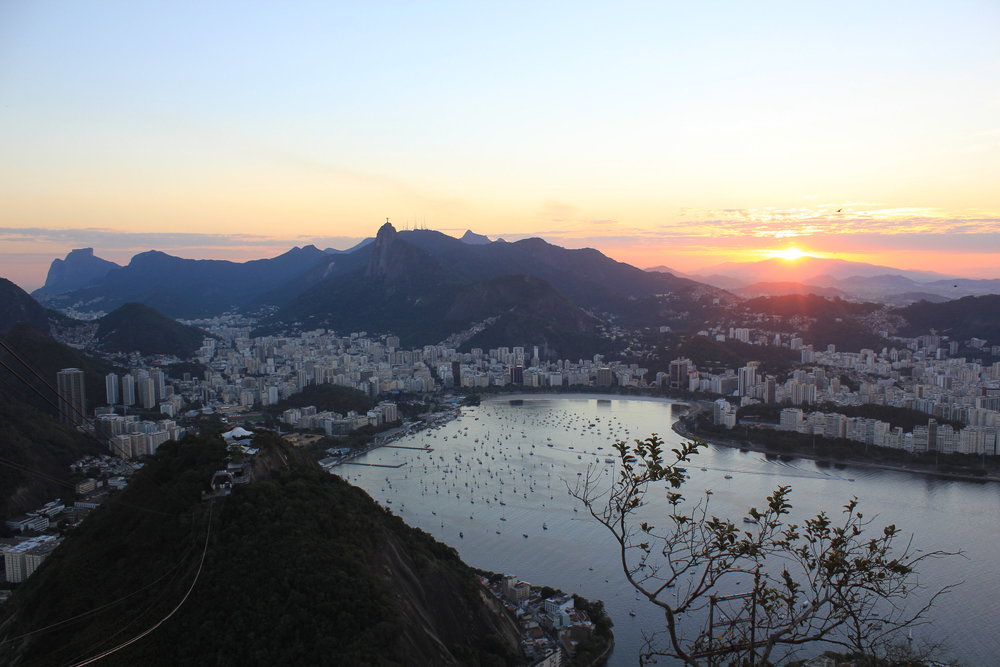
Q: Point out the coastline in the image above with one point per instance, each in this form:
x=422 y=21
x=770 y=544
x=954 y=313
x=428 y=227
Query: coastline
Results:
x=680 y=428
x=522 y=396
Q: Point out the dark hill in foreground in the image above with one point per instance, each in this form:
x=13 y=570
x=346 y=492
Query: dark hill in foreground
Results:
x=16 y=306
x=299 y=568
x=35 y=451
x=46 y=356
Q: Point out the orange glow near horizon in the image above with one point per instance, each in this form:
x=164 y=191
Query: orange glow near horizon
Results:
x=790 y=254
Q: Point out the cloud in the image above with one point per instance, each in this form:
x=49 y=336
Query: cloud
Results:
x=116 y=239
x=829 y=220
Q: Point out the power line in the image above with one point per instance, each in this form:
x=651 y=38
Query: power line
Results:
x=95 y=610
x=133 y=640
x=48 y=384
x=55 y=405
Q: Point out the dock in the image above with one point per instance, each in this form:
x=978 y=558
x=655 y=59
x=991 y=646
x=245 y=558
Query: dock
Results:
x=419 y=449
x=372 y=465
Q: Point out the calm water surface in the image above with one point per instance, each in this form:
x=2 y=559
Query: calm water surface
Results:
x=495 y=488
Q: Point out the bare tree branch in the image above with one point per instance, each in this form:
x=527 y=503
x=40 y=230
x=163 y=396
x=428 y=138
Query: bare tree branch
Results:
x=834 y=579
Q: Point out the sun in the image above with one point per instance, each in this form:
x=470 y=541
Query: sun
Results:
x=790 y=254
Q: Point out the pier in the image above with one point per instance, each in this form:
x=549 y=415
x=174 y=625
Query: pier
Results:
x=372 y=465
x=419 y=449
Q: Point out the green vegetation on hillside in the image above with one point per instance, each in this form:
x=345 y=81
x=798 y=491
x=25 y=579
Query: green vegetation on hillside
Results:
x=47 y=357
x=299 y=568
x=960 y=319
x=715 y=356
x=821 y=321
x=332 y=397
x=35 y=453
x=135 y=327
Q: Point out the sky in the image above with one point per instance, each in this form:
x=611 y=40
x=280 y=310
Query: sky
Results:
x=683 y=134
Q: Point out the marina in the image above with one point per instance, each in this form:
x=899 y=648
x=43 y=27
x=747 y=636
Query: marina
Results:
x=496 y=487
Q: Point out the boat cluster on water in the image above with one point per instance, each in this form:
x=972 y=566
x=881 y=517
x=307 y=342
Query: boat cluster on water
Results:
x=515 y=458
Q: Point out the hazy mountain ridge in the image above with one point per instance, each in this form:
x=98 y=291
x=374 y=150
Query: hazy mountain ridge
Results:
x=190 y=287
x=806 y=268
x=407 y=282
x=778 y=289
x=418 y=283
x=853 y=280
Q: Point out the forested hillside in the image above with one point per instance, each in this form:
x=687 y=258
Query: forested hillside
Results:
x=296 y=568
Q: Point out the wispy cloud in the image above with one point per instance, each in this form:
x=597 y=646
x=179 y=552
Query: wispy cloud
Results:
x=789 y=223
x=116 y=239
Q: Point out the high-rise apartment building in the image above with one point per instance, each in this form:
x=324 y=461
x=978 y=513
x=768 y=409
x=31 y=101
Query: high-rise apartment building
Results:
x=72 y=396
x=159 y=384
x=128 y=389
x=679 y=373
x=111 y=388
x=146 y=387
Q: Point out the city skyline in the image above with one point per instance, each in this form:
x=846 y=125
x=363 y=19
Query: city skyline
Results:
x=660 y=134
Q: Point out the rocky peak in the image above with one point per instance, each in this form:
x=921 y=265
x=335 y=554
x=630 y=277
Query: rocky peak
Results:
x=79 y=268
x=473 y=238
x=379 y=264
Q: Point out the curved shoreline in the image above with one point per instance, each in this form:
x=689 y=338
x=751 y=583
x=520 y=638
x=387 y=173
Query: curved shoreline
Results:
x=692 y=408
x=583 y=396
x=680 y=428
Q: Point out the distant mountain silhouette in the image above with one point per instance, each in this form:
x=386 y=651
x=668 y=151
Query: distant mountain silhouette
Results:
x=806 y=270
x=394 y=285
x=360 y=244
x=418 y=284
x=136 y=327
x=778 y=289
x=191 y=287
x=660 y=268
x=855 y=280
x=473 y=238
x=585 y=276
x=79 y=269
x=406 y=282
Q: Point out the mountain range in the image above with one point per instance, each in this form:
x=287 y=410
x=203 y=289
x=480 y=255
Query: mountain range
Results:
x=427 y=287
x=422 y=284
x=80 y=268
x=857 y=281
x=441 y=285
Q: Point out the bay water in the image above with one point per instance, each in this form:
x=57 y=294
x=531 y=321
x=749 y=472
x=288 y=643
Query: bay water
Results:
x=495 y=483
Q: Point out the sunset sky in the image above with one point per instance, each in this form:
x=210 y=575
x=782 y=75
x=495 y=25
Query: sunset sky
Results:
x=678 y=133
